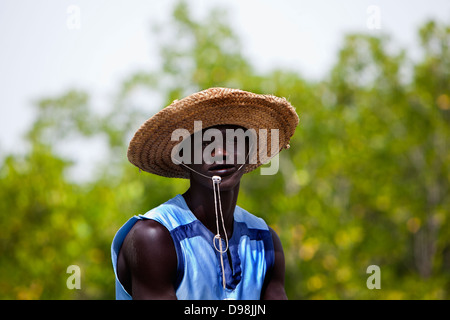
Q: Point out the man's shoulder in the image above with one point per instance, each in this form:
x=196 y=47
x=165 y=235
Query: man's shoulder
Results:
x=171 y=214
x=148 y=241
x=147 y=259
x=252 y=221
x=147 y=230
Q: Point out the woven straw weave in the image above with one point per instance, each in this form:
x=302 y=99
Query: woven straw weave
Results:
x=150 y=148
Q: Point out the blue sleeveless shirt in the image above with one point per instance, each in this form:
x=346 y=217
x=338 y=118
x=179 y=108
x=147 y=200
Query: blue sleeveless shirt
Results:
x=199 y=272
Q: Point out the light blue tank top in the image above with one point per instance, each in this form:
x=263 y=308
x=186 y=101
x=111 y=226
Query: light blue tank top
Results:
x=199 y=272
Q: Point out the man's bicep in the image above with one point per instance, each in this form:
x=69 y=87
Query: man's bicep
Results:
x=152 y=261
x=274 y=285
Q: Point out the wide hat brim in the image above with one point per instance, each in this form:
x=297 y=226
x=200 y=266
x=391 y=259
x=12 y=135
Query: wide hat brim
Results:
x=151 y=147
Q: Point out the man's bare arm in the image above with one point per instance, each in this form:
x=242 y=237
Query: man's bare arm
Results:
x=274 y=283
x=151 y=261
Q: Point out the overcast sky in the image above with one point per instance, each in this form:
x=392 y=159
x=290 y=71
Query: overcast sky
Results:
x=44 y=51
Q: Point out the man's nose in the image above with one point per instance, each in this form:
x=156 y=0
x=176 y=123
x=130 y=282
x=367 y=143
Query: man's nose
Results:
x=220 y=154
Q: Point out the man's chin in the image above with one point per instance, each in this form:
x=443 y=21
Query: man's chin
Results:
x=230 y=181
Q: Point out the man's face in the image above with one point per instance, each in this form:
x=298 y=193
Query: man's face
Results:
x=226 y=158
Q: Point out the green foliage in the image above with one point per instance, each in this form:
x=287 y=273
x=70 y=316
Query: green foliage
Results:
x=366 y=180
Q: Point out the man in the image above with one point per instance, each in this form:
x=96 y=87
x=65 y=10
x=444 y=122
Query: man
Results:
x=201 y=245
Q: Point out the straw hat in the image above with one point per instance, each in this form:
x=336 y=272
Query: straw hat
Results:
x=150 y=148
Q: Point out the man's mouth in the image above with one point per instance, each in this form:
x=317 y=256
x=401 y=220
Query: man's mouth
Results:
x=222 y=169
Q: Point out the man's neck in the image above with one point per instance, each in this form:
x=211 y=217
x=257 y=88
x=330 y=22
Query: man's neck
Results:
x=200 y=201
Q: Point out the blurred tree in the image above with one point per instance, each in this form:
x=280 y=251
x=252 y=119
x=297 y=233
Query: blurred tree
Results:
x=365 y=181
